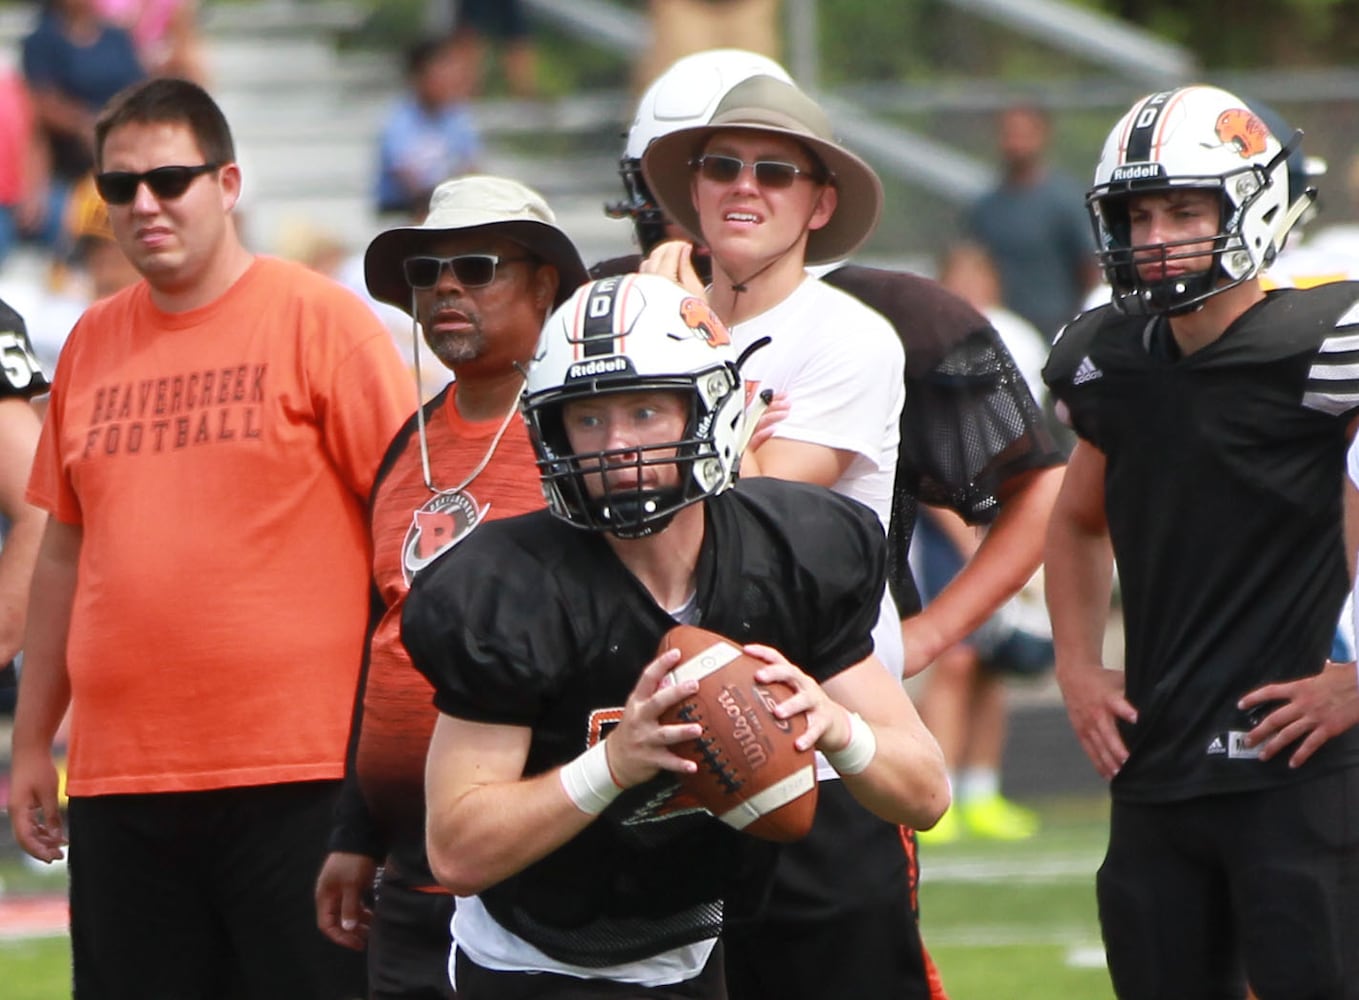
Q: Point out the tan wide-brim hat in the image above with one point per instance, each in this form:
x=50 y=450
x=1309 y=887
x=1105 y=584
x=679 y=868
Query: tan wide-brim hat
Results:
x=767 y=104
x=496 y=204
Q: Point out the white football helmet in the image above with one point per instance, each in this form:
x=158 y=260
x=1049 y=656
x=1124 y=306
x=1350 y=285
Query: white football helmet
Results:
x=635 y=333
x=1198 y=137
x=683 y=96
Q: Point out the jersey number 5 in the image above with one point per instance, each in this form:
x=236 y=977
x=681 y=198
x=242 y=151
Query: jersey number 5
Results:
x=17 y=360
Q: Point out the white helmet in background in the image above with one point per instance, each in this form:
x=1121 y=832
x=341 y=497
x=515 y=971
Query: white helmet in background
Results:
x=1192 y=137
x=635 y=333
x=685 y=95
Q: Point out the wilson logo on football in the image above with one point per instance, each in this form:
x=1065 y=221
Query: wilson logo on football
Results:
x=783 y=725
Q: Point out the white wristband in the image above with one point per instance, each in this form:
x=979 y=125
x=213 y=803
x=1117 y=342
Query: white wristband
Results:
x=588 y=781
x=858 y=752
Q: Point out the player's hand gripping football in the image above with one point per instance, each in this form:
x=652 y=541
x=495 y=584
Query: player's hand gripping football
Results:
x=640 y=746
x=827 y=720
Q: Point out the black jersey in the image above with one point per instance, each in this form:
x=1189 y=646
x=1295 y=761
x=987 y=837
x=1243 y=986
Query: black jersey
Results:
x=20 y=373
x=1223 y=498
x=969 y=423
x=531 y=622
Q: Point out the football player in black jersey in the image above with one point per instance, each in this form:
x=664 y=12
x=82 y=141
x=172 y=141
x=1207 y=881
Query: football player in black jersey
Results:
x=21 y=378
x=972 y=440
x=551 y=784
x=1213 y=419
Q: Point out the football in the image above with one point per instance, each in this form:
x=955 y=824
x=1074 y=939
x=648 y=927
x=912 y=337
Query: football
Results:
x=750 y=775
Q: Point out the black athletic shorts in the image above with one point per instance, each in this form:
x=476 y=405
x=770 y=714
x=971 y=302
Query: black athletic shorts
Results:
x=409 y=943
x=841 y=917
x=1197 y=898
x=476 y=983
x=199 y=895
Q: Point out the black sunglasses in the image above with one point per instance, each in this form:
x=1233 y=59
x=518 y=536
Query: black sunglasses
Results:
x=119 y=187
x=775 y=174
x=472 y=270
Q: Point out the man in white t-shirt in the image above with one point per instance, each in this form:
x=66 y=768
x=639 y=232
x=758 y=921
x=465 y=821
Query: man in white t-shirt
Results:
x=765 y=188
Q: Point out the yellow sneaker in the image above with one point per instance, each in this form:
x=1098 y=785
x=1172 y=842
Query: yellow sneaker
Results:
x=946 y=831
x=61 y=778
x=997 y=818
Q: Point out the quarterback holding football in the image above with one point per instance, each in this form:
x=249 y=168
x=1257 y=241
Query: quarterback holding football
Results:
x=556 y=809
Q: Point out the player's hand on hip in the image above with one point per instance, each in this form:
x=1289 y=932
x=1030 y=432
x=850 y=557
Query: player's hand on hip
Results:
x=34 y=809
x=1094 y=702
x=1313 y=709
x=827 y=719
x=674 y=259
x=342 y=888
x=640 y=745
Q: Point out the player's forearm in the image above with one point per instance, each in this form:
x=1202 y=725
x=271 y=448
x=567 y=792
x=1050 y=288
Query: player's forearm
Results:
x=1078 y=572
x=887 y=758
x=907 y=780
x=1009 y=554
x=494 y=831
x=44 y=685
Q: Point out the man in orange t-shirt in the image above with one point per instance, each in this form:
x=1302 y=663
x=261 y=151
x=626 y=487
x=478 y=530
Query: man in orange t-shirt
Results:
x=480 y=275
x=200 y=596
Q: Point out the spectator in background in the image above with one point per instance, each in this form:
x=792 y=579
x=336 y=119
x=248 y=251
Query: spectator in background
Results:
x=166 y=33
x=682 y=27
x=1034 y=226
x=74 y=62
x=503 y=23
x=964 y=699
x=201 y=590
x=23 y=164
x=465 y=459
x=429 y=135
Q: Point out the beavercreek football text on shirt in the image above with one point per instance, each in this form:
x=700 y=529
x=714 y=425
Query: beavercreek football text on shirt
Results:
x=177 y=411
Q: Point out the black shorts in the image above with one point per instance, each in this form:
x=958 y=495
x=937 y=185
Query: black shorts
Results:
x=197 y=895
x=841 y=917
x=476 y=983
x=409 y=943
x=1196 y=898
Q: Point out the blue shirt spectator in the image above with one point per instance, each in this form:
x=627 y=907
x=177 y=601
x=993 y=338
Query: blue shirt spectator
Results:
x=1035 y=227
x=430 y=134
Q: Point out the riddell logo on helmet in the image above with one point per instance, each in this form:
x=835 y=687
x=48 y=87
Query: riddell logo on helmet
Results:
x=602 y=366
x=1138 y=172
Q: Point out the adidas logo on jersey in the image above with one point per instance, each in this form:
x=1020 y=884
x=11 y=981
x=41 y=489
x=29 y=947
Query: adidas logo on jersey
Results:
x=1217 y=748
x=1086 y=372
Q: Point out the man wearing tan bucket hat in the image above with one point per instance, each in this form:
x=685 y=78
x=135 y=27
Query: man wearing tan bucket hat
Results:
x=478 y=277
x=768 y=191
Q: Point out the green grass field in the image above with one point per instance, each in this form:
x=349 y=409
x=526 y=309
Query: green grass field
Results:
x=1018 y=921
x=32 y=969
x=1003 y=921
